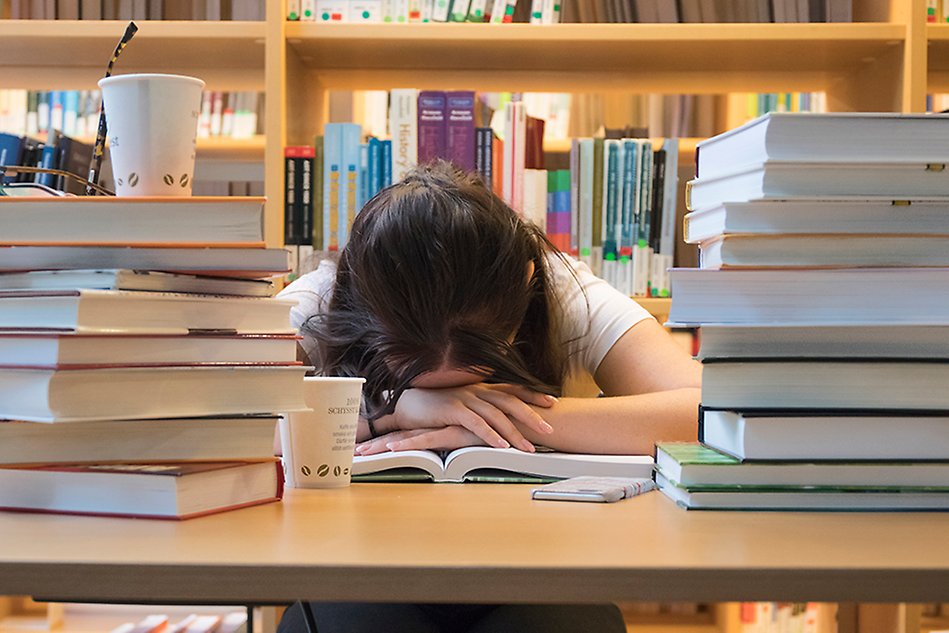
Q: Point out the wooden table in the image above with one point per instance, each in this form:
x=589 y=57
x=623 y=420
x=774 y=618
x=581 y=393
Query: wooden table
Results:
x=424 y=542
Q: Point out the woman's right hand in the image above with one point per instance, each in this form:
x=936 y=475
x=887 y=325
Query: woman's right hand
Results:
x=490 y=412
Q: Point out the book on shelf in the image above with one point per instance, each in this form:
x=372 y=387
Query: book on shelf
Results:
x=776 y=180
x=141 y=312
x=56 y=349
x=145 y=221
x=694 y=464
x=172 y=491
x=822 y=434
x=827 y=384
x=134 y=280
x=813 y=498
x=826 y=250
x=161 y=440
x=802 y=296
x=484 y=464
x=808 y=215
x=250 y=263
x=764 y=341
x=840 y=137
x=77 y=393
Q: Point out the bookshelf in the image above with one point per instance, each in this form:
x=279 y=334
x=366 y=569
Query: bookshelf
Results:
x=887 y=60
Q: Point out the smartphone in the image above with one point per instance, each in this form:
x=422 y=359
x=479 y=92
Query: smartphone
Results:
x=593 y=489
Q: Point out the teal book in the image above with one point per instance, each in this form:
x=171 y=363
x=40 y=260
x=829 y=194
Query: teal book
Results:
x=484 y=464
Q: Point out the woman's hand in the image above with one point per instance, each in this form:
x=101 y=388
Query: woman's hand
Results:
x=486 y=412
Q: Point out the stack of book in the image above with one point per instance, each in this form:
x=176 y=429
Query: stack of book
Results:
x=823 y=301
x=142 y=358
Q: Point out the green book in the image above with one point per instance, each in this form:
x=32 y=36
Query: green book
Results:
x=696 y=466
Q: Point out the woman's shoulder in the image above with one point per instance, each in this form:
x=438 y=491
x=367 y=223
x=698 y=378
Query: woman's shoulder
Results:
x=312 y=292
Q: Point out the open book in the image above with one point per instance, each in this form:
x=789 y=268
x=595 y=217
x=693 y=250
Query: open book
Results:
x=484 y=464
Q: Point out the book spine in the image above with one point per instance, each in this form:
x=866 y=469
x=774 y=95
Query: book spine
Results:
x=385 y=163
x=363 y=182
x=574 y=195
x=403 y=128
x=627 y=213
x=519 y=140
x=537 y=12
x=349 y=193
x=478 y=11
x=317 y=237
x=596 y=220
x=332 y=184
x=459 y=10
x=585 y=219
x=441 y=11
x=460 y=129
x=365 y=11
x=643 y=255
x=332 y=10
x=290 y=213
x=608 y=228
x=431 y=125
x=374 y=168
x=293 y=10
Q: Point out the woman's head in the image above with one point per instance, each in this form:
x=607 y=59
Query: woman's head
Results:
x=439 y=276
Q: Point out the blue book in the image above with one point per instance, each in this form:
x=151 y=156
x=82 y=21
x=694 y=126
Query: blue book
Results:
x=374 y=181
x=350 y=179
x=11 y=147
x=332 y=184
x=386 y=162
x=364 y=182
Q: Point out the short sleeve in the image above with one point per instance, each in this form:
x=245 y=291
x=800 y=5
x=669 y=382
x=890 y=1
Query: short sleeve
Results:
x=312 y=292
x=594 y=315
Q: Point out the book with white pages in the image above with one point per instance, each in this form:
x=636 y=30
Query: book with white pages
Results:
x=145 y=280
x=695 y=464
x=821 y=434
x=779 y=180
x=130 y=311
x=227 y=438
x=817 y=499
x=830 y=251
x=919 y=384
x=251 y=263
x=760 y=341
x=58 y=349
x=145 y=221
x=807 y=296
x=485 y=464
x=881 y=137
x=808 y=215
x=70 y=394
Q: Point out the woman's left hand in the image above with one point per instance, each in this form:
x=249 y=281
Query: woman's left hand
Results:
x=436 y=439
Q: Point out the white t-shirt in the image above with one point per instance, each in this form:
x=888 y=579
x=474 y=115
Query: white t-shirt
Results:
x=588 y=333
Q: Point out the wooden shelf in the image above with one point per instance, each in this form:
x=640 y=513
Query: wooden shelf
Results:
x=938 y=62
x=227 y=55
x=591 y=57
x=224 y=148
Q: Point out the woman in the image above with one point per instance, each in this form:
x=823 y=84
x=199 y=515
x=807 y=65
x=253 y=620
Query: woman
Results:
x=470 y=328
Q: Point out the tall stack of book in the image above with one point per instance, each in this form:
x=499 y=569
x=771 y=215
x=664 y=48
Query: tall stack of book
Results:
x=142 y=358
x=823 y=301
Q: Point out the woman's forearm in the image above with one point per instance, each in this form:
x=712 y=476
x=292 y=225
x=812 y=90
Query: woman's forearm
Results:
x=621 y=424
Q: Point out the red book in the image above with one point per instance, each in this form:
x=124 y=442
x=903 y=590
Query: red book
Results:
x=171 y=491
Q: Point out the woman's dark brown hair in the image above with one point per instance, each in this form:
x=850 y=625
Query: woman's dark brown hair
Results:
x=436 y=274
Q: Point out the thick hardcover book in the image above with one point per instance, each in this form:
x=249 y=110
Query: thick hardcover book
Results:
x=694 y=464
x=172 y=491
x=825 y=251
x=762 y=341
x=823 y=434
x=460 y=129
x=238 y=438
x=432 y=130
x=102 y=220
x=48 y=349
x=105 y=311
x=117 y=279
x=827 y=138
x=250 y=263
x=403 y=126
x=830 y=384
x=801 y=296
x=479 y=463
x=929 y=216
x=818 y=499
x=787 y=180
x=140 y=392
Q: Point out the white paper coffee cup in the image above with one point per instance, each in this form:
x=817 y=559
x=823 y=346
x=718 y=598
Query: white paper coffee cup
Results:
x=318 y=443
x=152 y=122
